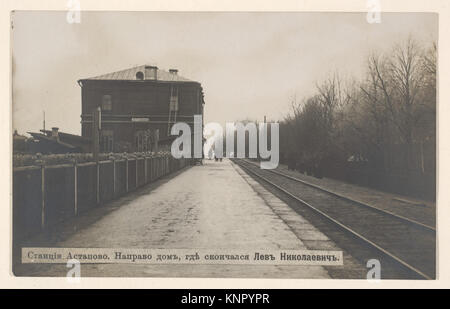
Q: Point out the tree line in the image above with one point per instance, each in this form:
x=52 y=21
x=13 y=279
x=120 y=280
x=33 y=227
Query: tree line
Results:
x=379 y=127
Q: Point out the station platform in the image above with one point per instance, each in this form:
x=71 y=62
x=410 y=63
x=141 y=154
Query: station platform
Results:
x=214 y=205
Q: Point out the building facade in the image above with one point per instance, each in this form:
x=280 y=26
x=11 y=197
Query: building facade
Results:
x=138 y=105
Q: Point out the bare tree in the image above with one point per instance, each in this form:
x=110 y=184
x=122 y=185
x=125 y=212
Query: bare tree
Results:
x=385 y=121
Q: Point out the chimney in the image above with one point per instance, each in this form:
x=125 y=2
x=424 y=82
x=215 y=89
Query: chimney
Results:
x=55 y=133
x=173 y=71
x=151 y=72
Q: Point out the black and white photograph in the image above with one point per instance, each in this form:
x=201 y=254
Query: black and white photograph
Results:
x=224 y=144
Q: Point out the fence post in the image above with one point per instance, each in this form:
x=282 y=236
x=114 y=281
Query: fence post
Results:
x=165 y=166
x=75 y=188
x=136 y=172
x=98 y=182
x=152 y=169
x=126 y=174
x=145 y=169
x=114 y=177
x=43 y=196
x=159 y=166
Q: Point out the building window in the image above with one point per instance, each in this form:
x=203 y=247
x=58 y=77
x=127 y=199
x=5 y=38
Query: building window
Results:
x=106 y=102
x=140 y=75
x=107 y=141
x=173 y=103
x=142 y=140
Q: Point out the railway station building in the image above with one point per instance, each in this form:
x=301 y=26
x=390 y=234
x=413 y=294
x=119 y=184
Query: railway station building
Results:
x=138 y=105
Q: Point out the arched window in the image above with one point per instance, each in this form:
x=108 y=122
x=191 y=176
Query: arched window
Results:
x=140 y=75
x=143 y=140
x=106 y=141
x=106 y=102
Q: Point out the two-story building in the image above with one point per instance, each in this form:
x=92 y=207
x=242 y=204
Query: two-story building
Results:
x=137 y=102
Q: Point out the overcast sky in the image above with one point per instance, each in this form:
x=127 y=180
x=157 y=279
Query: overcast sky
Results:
x=250 y=64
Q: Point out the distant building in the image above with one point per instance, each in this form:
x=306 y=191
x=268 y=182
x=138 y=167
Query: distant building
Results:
x=19 y=143
x=56 y=142
x=80 y=142
x=137 y=102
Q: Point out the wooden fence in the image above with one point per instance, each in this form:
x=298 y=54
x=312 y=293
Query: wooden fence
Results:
x=45 y=195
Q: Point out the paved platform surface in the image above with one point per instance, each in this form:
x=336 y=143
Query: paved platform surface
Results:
x=211 y=206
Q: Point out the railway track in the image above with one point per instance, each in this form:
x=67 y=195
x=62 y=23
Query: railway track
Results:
x=409 y=219
x=407 y=243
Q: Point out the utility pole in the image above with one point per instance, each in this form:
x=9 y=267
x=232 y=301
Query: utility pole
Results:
x=96 y=127
x=44 y=122
x=155 y=140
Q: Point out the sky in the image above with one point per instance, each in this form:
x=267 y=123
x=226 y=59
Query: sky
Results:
x=249 y=64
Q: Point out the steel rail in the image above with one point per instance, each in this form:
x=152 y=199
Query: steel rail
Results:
x=343 y=197
x=343 y=226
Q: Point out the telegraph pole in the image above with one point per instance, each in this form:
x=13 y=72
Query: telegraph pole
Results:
x=96 y=127
x=155 y=140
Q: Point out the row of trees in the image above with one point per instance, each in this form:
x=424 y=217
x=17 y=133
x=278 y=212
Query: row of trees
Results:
x=385 y=122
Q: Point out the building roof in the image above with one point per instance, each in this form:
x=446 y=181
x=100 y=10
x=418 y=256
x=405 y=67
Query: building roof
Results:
x=17 y=136
x=130 y=75
x=43 y=137
x=68 y=136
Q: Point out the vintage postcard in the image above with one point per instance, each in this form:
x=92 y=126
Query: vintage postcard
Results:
x=224 y=144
